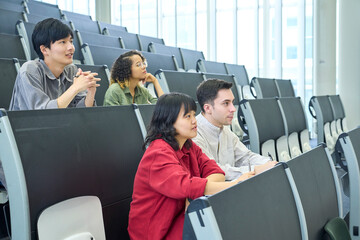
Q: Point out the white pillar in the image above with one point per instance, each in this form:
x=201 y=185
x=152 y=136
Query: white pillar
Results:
x=324 y=47
x=103 y=10
x=349 y=60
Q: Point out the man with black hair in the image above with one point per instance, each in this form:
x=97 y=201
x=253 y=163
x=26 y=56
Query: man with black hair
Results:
x=53 y=81
x=214 y=137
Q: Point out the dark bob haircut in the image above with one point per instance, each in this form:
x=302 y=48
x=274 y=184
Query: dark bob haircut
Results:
x=165 y=114
x=121 y=69
x=49 y=31
x=207 y=91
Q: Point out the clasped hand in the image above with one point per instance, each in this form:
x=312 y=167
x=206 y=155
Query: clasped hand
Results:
x=86 y=80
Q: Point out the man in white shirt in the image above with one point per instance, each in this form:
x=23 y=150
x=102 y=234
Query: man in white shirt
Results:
x=214 y=136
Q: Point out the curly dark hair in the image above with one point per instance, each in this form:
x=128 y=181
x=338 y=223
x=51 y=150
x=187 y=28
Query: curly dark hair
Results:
x=165 y=114
x=121 y=69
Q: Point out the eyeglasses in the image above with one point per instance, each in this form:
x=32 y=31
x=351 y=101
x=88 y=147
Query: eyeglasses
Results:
x=141 y=64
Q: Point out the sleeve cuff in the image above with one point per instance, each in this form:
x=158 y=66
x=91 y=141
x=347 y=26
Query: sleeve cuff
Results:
x=197 y=187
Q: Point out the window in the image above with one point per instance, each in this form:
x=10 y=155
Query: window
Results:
x=225 y=31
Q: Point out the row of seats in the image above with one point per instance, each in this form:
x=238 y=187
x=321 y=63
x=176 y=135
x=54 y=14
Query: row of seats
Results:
x=268 y=88
x=348 y=145
x=34 y=11
x=88 y=156
x=276 y=126
x=294 y=200
x=105 y=166
x=328 y=111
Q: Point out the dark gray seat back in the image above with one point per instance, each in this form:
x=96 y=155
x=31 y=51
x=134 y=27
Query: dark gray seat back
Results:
x=262 y=207
x=8 y=20
x=184 y=82
x=240 y=73
x=337 y=106
x=130 y=40
x=285 y=88
x=67 y=15
x=264 y=121
x=110 y=27
x=43 y=9
x=167 y=50
x=98 y=39
x=190 y=58
x=12 y=46
x=103 y=73
x=11 y=6
x=264 y=87
x=159 y=61
x=85 y=25
x=146 y=40
x=211 y=67
x=146 y=111
x=8 y=75
x=315 y=181
x=295 y=120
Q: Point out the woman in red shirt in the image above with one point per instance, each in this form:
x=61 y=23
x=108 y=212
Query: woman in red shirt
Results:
x=172 y=170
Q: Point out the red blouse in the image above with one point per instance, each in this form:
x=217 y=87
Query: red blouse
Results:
x=164 y=179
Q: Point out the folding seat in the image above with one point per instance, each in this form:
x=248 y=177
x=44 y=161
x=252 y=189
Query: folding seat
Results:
x=285 y=88
x=9 y=5
x=106 y=27
x=13 y=46
x=270 y=209
x=8 y=20
x=319 y=189
x=100 y=55
x=104 y=75
x=88 y=158
x=128 y=40
x=339 y=114
x=68 y=16
x=265 y=128
x=167 y=50
x=34 y=18
x=349 y=146
x=8 y=73
x=241 y=79
x=146 y=40
x=43 y=9
x=190 y=58
x=184 y=82
x=211 y=67
x=85 y=25
x=98 y=39
x=75 y=218
x=144 y=114
x=158 y=62
x=295 y=125
x=264 y=87
x=320 y=109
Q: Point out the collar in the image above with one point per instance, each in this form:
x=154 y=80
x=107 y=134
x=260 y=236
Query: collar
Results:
x=127 y=91
x=212 y=130
x=182 y=152
x=63 y=76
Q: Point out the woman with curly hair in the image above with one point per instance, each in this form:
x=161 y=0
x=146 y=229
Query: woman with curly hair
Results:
x=172 y=171
x=126 y=74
